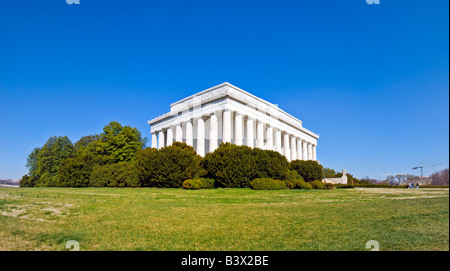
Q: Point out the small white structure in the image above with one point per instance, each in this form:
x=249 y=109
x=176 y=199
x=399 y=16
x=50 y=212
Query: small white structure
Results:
x=226 y=113
x=342 y=180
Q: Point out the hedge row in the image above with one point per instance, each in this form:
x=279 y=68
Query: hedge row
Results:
x=230 y=166
x=271 y=184
x=267 y=184
x=178 y=165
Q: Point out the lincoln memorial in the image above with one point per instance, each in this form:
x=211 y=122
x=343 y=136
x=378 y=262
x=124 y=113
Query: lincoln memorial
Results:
x=226 y=113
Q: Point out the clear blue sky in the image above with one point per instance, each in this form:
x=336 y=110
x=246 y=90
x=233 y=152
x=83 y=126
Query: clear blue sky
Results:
x=371 y=80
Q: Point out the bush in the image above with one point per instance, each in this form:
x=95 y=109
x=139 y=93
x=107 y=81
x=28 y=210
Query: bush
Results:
x=329 y=186
x=235 y=166
x=231 y=166
x=309 y=170
x=114 y=175
x=75 y=172
x=25 y=181
x=304 y=185
x=293 y=175
x=317 y=184
x=271 y=164
x=207 y=183
x=295 y=184
x=290 y=184
x=198 y=183
x=267 y=184
x=168 y=167
x=192 y=184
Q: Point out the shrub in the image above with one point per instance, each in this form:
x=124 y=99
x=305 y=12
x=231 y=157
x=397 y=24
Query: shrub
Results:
x=329 y=186
x=295 y=184
x=299 y=184
x=207 y=183
x=75 y=172
x=309 y=170
x=198 y=183
x=293 y=175
x=231 y=166
x=192 y=184
x=235 y=166
x=114 y=175
x=25 y=181
x=271 y=164
x=305 y=186
x=317 y=184
x=290 y=184
x=169 y=166
x=267 y=184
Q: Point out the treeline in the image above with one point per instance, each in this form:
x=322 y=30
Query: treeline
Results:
x=118 y=158
x=106 y=159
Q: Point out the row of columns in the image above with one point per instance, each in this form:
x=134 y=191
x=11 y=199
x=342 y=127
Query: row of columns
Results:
x=290 y=146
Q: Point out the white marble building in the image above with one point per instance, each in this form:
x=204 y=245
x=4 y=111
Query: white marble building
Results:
x=342 y=180
x=226 y=113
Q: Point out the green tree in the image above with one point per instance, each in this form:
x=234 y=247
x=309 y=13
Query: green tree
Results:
x=75 y=172
x=169 y=166
x=309 y=170
x=117 y=143
x=32 y=165
x=55 y=150
x=81 y=146
x=329 y=173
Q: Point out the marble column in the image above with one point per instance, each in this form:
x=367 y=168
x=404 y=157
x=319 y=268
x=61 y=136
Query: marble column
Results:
x=269 y=144
x=201 y=137
x=161 y=143
x=314 y=153
x=260 y=135
x=278 y=141
x=309 y=151
x=189 y=134
x=293 y=148
x=286 y=150
x=226 y=129
x=250 y=136
x=179 y=133
x=213 y=132
x=299 y=149
x=169 y=136
x=238 y=128
x=154 y=140
x=305 y=151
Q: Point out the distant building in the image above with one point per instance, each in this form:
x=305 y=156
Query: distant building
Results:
x=341 y=180
x=417 y=180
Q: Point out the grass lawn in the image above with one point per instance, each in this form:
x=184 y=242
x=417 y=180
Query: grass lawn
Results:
x=223 y=219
